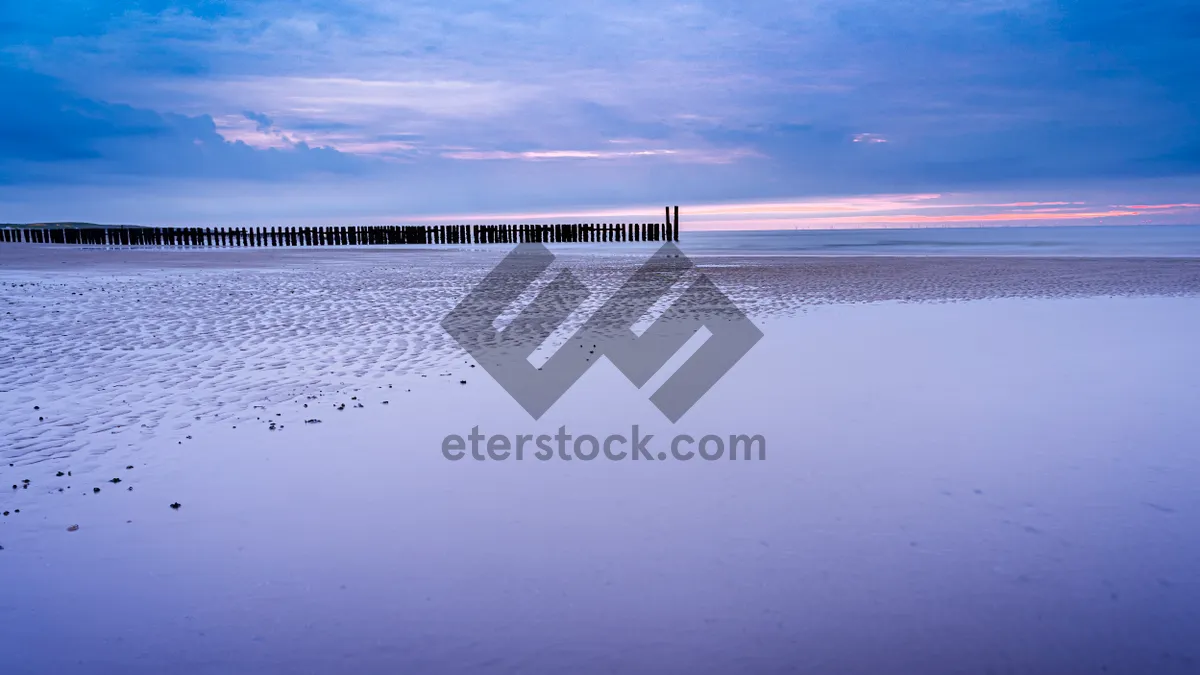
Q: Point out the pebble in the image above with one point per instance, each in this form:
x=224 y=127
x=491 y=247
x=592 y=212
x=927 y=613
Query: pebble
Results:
x=73 y=528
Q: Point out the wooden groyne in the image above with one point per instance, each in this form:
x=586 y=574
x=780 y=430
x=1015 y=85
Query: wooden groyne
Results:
x=350 y=235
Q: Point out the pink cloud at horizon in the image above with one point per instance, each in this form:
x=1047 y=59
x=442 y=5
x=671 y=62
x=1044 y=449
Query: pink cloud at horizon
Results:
x=836 y=213
x=1146 y=207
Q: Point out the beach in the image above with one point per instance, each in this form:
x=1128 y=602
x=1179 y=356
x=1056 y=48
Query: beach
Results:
x=972 y=464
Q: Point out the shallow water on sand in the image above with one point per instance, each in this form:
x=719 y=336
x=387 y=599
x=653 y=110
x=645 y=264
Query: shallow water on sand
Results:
x=1004 y=483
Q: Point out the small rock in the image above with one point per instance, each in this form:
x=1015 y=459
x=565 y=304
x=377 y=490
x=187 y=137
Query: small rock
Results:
x=462 y=381
x=95 y=490
x=176 y=506
x=129 y=467
x=115 y=480
x=73 y=528
x=60 y=474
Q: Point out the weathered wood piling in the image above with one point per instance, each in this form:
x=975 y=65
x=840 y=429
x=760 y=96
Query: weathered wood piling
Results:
x=352 y=235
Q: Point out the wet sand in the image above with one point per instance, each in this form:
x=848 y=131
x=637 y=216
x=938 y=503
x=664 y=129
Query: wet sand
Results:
x=974 y=465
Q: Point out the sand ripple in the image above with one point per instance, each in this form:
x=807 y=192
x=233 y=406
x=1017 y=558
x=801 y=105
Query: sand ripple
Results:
x=108 y=349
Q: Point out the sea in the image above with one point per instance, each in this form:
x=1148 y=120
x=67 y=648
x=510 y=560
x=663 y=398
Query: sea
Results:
x=1075 y=241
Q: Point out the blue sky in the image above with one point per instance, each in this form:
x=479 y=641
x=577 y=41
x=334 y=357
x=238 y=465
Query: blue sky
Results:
x=748 y=114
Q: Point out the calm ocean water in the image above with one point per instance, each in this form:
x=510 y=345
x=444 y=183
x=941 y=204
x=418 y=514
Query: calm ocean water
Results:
x=1137 y=240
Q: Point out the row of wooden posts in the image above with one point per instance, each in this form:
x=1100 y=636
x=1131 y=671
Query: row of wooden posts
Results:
x=353 y=235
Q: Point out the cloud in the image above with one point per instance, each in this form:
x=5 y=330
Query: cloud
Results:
x=609 y=102
x=261 y=121
x=53 y=135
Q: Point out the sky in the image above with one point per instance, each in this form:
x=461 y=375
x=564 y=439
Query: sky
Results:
x=748 y=114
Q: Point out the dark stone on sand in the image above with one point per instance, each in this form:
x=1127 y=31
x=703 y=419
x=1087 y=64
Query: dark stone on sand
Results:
x=129 y=467
x=73 y=528
x=462 y=381
x=60 y=474
x=115 y=481
x=95 y=490
x=176 y=506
